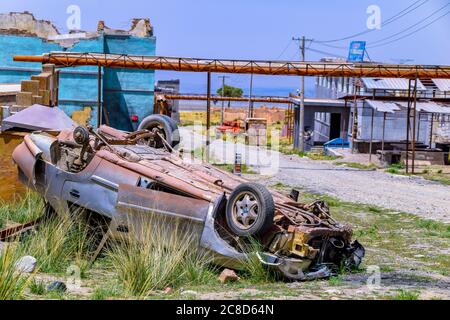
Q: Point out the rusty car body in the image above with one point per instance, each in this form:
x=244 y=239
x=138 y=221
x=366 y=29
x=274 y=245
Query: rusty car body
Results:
x=118 y=174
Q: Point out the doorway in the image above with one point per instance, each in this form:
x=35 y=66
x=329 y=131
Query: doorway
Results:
x=335 y=125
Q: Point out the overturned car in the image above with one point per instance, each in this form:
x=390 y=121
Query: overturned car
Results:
x=115 y=174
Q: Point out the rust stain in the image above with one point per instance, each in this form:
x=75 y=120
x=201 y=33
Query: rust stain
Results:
x=82 y=117
x=10 y=187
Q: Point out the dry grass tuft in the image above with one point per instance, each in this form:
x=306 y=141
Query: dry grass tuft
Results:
x=164 y=252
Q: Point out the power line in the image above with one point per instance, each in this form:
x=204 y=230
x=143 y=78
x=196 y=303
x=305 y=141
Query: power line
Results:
x=381 y=41
x=401 y=14
x=409 y=28
x=299 y=141
x=332 y=46
x=326 y=53
x=392 y=19
x=411 y=33
x=284 y=50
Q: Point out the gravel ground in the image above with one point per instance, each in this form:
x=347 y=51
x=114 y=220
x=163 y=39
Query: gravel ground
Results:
x=414 y=195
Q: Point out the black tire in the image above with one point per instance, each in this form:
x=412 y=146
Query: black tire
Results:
x=167 y=126
x=264 y=212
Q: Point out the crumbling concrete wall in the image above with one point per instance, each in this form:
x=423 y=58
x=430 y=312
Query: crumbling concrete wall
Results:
x=125 y=93
x=141 y=28
x=272 y=115
x=26 y=23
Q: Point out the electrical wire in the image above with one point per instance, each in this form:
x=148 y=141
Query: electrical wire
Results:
x=417 y=4
x=411 y=26
x=307 y=46
x=332 y=46
x=284 y=50
x=411 y=33
x=326 y=53
x=381 y=42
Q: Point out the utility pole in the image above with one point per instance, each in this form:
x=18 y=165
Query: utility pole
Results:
x=223 y=95
x=208 y=113
x=250 y=102
x=301 y=126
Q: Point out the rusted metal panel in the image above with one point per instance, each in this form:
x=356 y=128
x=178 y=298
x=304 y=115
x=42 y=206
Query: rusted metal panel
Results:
x=150 y=201
x=13 y=231
x=157 y=175
x=220 y=98
x=25 y=160
x=38 y=117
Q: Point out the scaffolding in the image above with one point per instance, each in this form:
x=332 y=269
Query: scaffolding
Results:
x=286 y=68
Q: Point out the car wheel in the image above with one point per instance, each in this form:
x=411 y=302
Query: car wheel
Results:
x=165 y=126
x=250 y=210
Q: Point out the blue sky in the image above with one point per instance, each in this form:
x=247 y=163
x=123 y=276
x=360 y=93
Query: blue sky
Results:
x=260 y=29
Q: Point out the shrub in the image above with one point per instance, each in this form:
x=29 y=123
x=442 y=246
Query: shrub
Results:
x=48 y=244
x=57 y=242
x=252 y=267
x=12 y=283
x=406 y=295
x=161 y=252
x=37 y=287
x=22 y=210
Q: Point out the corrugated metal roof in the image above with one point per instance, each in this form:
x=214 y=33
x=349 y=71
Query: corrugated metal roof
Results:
x=320 y=102
x=390 y=84
x=383 y=106
x=442 y=84
x=429 y=106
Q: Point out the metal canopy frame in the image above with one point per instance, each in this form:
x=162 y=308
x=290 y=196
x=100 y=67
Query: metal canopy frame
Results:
x=269 y=67
x=288 y=68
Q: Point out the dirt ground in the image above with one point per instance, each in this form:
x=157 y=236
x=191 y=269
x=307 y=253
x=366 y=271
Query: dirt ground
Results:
x=412 y=194
x=393 y=285
x=407 y=258
x=403 y=223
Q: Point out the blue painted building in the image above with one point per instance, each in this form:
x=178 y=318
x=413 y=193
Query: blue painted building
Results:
x=125 y=93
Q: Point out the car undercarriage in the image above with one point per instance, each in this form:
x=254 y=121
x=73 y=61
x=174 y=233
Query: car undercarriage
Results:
x=120 y=176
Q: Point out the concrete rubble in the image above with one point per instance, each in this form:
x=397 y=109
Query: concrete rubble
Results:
x=57 y=286
x=168 y=290
x=228 y=275
x=26 y=264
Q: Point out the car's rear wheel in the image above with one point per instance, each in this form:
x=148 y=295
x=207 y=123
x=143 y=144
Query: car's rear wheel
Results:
x=165 y=126
x=250 y=210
